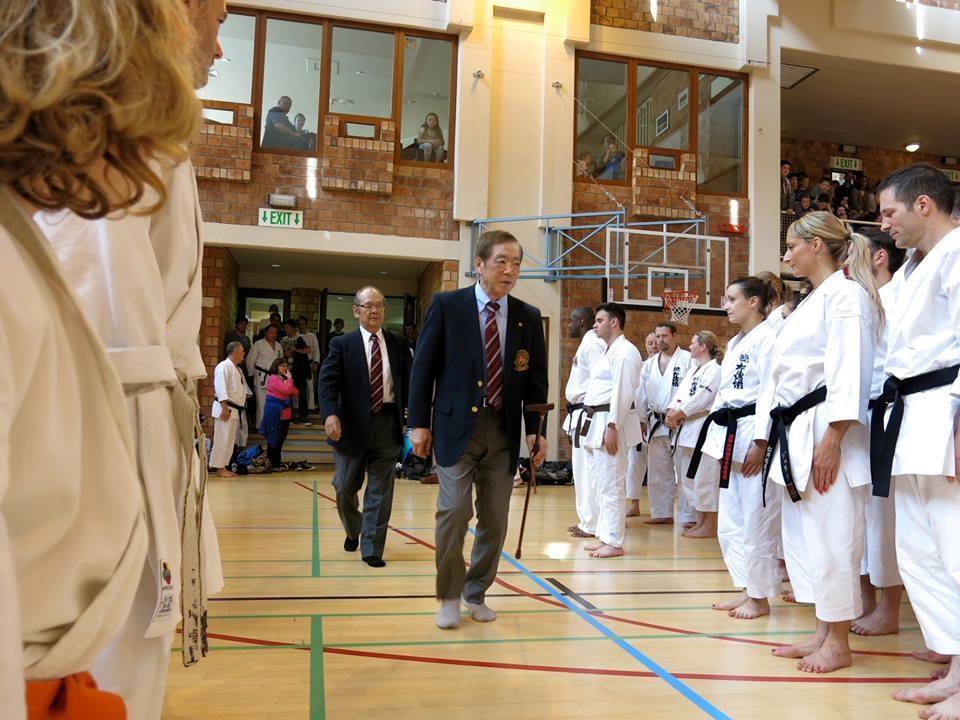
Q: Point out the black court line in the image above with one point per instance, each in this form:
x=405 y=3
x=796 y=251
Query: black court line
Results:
x=571 y=594
x=498 y=595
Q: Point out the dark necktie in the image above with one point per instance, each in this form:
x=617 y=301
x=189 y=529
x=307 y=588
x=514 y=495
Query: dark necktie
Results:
x=376 y=376
x=491 y=340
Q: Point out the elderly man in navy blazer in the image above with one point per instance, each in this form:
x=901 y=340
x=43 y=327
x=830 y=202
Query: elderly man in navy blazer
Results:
x=480 y=357
x=363 y=391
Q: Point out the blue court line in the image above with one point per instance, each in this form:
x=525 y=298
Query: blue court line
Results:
x=688 y=692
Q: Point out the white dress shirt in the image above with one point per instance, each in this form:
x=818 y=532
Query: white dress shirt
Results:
x=388 y=394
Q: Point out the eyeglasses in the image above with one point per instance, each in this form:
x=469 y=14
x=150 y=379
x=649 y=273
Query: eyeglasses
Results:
x=370 y=306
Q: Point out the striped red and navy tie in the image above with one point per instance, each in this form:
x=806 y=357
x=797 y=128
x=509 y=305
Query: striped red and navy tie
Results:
x=376 y=376
x=491 y=338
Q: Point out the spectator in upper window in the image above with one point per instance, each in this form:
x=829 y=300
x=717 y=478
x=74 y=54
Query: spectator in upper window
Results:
x=804 y=187
x=278 y=131
x=430 y=139
x=610 y=166
x=586 y=164
x=823 y=202
x=825 y=188
x=802 y=206
x=786 y=193
x=308 y=138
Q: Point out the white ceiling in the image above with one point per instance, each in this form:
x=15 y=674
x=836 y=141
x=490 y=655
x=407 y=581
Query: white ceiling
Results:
x=325 y=264
x=871 y=104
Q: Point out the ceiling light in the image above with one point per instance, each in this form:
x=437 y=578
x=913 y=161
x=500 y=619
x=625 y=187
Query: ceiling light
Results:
x=275 y=265
x=653 y=9
x=383 y=272
x=342 y=101
x=918 y=49
x=358 y=72
x=912 y=147
x=411 y=101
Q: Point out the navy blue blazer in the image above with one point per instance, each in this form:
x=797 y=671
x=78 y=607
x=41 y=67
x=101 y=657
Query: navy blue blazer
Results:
x=344 y=387
x=447 y=386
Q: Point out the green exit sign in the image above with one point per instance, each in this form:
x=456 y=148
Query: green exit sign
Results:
x=270 y=217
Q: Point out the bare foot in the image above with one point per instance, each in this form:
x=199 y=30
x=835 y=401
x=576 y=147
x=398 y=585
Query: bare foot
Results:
x=634 y=509
x=782 y=569
x=731 y=604
x=878 y=622
x=751 y=609
x=224 y=473
x=607 y=551
x=868 y=597
x=658 y=521
x=578 y=533
x=949 y=709
x=593 y=546
x=940 y=672
x=788 y=596
x=689 y=525
x=934 y=692
x=827 y=658
x=701 y=531
x=930 y=656
x=801 y=649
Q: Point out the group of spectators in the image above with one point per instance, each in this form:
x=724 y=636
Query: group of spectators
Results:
x=853 y=199
x=607 y=164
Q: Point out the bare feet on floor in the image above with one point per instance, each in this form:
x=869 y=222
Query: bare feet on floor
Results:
x=578 y=533
x=731 y=604
x=788 y=596
x=949 y=709
x=934 y=692
x=701 y=531
x=594 y=546
x=607 y=551
x=689 y=525
x=829 y=657
x=800 y=649
x=224 y=473
x=879 y=622
x=634 y=509
x=930 y=656
x=751 y=609
x=658 y=521
x=940 y=672
x=782 y=569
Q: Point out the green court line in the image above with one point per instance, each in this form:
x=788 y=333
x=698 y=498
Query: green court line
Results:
x=317 y=708
x=315 y=561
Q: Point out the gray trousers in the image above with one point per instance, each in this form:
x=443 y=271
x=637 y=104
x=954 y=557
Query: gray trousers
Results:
x=378 y=462
x=485 y=464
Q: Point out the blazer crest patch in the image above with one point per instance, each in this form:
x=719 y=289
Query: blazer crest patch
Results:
x=521 y=361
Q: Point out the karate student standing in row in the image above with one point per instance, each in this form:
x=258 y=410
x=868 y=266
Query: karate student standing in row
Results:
x=816 y=405
x=879 y=568
x=611 y=427
x=658 y=384
x=748 y=528
x=229 y=410
x=687 y=412
x=923 y=356
x=637 y=455
x=261 y=357
x=590 y=350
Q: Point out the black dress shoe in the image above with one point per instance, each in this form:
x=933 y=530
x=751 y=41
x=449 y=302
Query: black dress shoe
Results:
x=350 y=544
x=374 y=561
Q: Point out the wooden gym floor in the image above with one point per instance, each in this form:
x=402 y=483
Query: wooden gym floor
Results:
x=304 y=630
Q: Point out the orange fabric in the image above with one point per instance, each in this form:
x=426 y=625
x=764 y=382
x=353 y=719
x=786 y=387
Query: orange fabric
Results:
x=74 y=697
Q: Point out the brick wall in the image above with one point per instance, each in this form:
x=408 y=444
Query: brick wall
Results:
x=436 y=277
x=225 y=150
x=661 y=193
x=703 y=19
x=813 y=158
x=359 y=164
x=306 y=301
x=220 y=276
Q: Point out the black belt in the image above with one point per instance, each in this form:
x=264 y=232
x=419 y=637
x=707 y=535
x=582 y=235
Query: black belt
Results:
x=573 y=407
x=660 y=418
x=782 y=418
x=883 y=441
x=583 y=424
x=724 y=416
x=233 y=405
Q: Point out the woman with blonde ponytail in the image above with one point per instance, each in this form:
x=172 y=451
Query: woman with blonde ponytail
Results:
x=812 y=413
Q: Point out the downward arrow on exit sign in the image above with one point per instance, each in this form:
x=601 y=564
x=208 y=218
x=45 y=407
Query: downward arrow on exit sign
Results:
x=270 y=217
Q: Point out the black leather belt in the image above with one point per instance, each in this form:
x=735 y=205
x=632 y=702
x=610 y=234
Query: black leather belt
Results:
x=883 y=441
x=724 y=416
x=782 y=418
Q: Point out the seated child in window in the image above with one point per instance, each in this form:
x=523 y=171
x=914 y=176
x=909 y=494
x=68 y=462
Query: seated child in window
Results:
x=430 y=139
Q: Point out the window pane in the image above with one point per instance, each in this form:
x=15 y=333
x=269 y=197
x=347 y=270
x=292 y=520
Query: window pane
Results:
x=662 y=108
x=231 y=78
x=426 y=99
x=361 y=73
x=291 y=85
x=720 y=134
x=602 y=92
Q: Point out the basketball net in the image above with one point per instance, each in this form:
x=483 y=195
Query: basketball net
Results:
x=680 y=303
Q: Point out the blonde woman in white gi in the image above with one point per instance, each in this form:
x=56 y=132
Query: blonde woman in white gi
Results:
x=73 y=532
x=920 y=445
x=660 y=378
x=813 y=412
x=748 y=528
x=637 y=455
x=686 y=415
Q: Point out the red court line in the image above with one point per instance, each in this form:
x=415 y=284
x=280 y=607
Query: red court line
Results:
x=616 y=618
x=573 y=670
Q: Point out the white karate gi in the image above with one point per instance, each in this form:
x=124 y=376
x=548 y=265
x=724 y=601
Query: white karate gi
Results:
x=140 y=278
x=229 y=384
x=614 y=378
x=73 y=533
x=655 y=395
x=925 y=335
x=314 y=344
x=262 y=356
x=775 y=319
x=694 y=398
x=749 y=533
x=590 y=349
x=827 y=341
x=880 y=552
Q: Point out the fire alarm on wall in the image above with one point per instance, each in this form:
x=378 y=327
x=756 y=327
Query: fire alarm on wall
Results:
x=732 y=228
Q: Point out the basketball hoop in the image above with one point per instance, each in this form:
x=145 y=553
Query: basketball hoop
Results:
x=680 y=303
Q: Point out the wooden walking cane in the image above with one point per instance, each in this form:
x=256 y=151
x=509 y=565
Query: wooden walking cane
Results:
x=541 y=409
